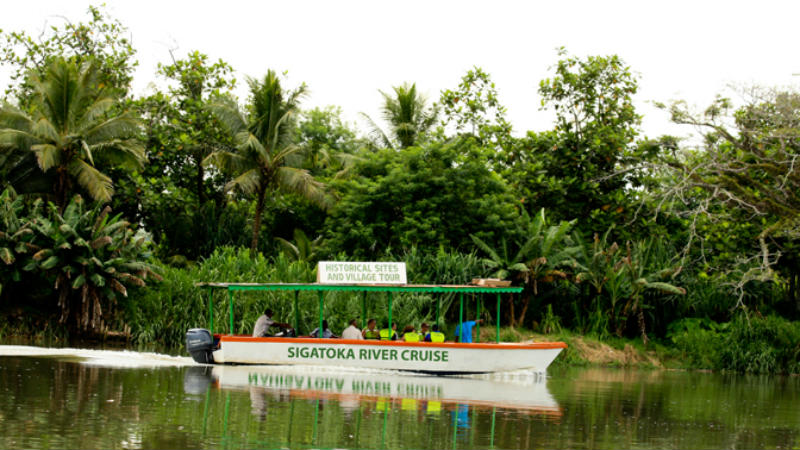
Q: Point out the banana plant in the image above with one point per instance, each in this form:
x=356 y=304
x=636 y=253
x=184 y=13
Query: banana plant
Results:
x=550 y=249
x=636 y=268
x=539 y=259
x=16 y=237
x=92 y=258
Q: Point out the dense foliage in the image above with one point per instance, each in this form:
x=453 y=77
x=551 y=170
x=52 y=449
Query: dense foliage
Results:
x=610 y=233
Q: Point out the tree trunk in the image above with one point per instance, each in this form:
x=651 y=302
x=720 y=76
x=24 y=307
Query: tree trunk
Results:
x=525 y=302
x=640 y=316
x=61 y=188
x=257 y=221
x=201 y=194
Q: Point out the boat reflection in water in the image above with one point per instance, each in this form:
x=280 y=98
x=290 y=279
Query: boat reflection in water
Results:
x=430 y=394
x=383 y=405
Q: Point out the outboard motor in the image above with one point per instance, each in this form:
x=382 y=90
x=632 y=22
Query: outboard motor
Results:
x=200 y=344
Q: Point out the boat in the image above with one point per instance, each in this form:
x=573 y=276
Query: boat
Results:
x=445 y=358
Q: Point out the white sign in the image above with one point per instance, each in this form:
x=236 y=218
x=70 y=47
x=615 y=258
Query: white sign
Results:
x=337 y=272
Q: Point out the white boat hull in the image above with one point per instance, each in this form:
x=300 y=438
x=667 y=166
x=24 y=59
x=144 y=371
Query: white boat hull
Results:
x=438 y=358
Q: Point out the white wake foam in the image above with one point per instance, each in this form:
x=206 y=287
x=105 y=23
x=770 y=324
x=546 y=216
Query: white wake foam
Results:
x=108 y=358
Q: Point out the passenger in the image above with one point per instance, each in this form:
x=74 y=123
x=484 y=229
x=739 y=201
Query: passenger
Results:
x=435 y=335
x=371 y=332
x=385 y=333
x=263 y=324
x=423 y=331
x=464 y=331
x=409 y=335
x=327 y=334
x=352 y=332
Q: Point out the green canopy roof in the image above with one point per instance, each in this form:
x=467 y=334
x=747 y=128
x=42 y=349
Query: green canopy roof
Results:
x=467 y=288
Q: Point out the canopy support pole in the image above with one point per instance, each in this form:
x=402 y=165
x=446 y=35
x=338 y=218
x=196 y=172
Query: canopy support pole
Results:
x=390 y=315
x=321 y=306
x=296 y=313
x=438 y=305
x=460 y=328
x=497 y=334
x=230 y=310
x=478 y=318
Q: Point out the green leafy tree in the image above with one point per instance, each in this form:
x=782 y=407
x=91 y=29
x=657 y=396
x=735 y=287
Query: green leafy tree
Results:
x=91 y=258
x=193 y=131
x=263 y=135
x=101 y=39
x=474 y=109
x=427 y=196
x=579 y=168
x=328 y=143
x=74 y=123
x=408 y=116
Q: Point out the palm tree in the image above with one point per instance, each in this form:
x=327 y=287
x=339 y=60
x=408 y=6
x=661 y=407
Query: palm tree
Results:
x=263 y=139
x=408 y=116
x=73 y=122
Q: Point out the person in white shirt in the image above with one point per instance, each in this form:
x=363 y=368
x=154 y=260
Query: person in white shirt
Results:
x=261 y=329
x=352 y=332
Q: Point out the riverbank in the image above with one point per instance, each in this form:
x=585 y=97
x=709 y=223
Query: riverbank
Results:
x=731 y=346
x=590 y=351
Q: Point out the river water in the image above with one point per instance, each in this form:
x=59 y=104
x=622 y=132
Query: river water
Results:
x=67 y=398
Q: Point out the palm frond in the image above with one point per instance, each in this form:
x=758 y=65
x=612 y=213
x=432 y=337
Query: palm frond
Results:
x=127 y=153
x=123 y=126
x=230 y=162
x=227 y=112
x=375 y=134
x=96 y=183
x=299 y=181
x=47 y=155
x=248 y=182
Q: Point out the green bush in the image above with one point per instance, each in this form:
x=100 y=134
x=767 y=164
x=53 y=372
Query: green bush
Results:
x=761 y=345
x=755 y=345
x=697 y=342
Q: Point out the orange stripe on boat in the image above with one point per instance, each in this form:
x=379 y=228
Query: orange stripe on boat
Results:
x=482 y=345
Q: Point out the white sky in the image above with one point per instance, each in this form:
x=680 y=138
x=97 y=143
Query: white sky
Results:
x=347 y=50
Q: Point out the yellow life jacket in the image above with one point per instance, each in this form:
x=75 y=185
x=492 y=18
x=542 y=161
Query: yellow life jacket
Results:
x=411 y=337
x=372 y=334
x=385 y=335
x=437 y=336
